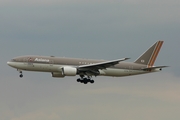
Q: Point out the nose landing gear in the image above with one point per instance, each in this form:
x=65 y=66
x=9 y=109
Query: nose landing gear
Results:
x=21 y=74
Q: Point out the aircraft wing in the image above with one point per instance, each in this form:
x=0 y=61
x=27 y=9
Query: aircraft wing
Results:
x=101 y=65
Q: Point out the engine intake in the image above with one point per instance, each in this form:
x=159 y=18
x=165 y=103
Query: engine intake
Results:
x=69 y=71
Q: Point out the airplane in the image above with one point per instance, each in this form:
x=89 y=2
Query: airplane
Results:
x=60 y=67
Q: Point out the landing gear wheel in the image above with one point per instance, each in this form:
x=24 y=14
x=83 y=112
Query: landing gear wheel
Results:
x=78 y=80
x=20 y=75
x=92 y=81
x=85 y=82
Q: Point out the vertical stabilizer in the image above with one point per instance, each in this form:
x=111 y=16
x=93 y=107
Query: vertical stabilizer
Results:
x=148 y=58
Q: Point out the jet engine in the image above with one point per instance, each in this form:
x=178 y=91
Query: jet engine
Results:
x=65 y=71
x=69 y=71
x=57 y=74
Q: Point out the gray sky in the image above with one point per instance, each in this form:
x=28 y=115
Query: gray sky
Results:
x=98 y=29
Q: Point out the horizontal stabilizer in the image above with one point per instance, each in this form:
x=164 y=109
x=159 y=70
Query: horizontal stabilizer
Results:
x=152 y=68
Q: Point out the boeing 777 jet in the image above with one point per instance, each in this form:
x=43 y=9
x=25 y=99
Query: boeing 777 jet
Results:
x=86 y=68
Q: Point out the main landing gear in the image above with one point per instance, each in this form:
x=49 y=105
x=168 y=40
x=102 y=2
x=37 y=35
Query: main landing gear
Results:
x=85 y=80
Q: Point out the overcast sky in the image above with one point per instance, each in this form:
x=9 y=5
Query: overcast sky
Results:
x=97 y=29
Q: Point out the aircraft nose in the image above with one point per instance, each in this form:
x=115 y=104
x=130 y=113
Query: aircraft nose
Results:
x=8 y=63
x=11 y=64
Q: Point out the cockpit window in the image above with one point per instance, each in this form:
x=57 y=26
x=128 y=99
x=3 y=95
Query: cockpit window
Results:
x=13 y=60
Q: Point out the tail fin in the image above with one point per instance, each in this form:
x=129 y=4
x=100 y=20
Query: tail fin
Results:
x=148 y=58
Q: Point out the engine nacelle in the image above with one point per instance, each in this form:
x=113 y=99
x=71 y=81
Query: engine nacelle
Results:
x=69 y=71
x=58 y=74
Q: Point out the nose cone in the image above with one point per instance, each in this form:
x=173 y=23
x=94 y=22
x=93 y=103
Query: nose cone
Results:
x=9 y=63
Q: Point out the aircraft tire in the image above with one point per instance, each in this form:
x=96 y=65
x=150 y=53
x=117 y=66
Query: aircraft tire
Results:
x=78 y=80
x=20 y=75
x=92 y=81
